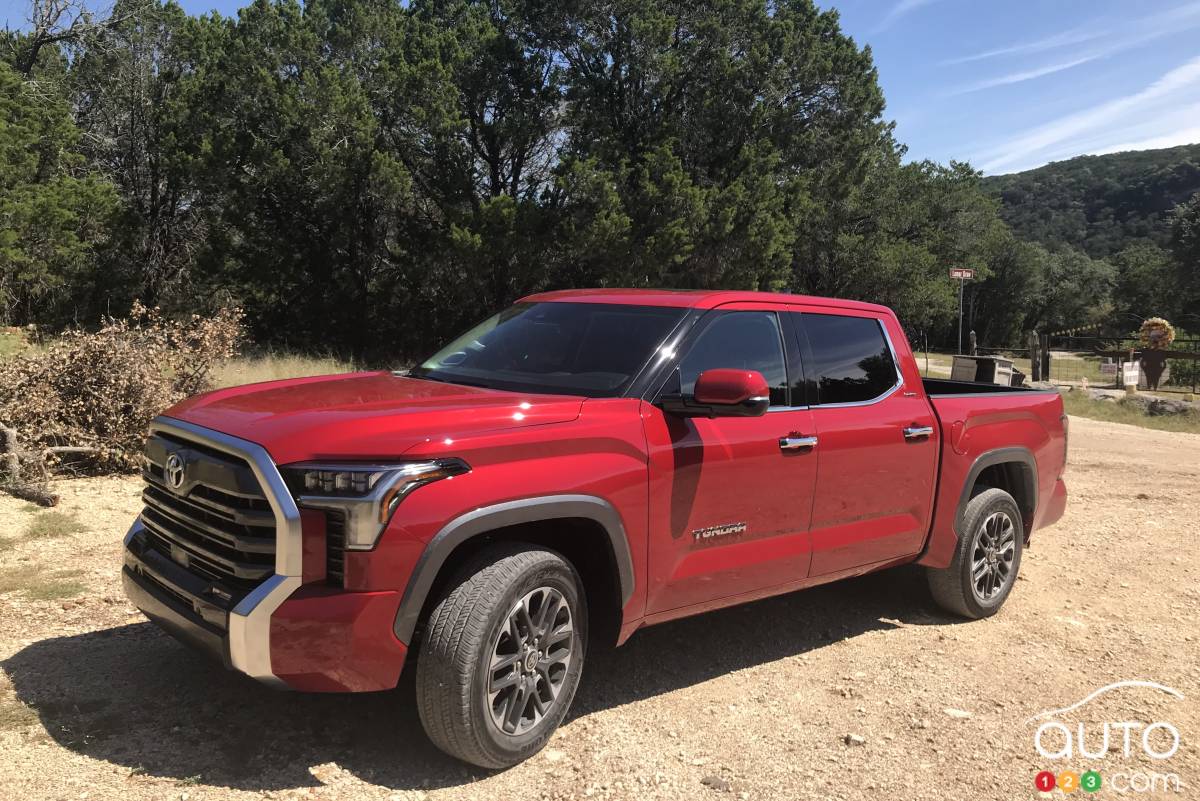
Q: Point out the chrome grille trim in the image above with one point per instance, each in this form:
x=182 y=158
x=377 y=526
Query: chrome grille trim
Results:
x=250 y=620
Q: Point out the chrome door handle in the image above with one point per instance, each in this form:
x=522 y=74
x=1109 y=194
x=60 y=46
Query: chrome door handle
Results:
x=918 y=432
x=797 y=443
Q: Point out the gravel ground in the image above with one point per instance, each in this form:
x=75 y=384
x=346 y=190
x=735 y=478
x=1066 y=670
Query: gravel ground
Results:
x=856 y=690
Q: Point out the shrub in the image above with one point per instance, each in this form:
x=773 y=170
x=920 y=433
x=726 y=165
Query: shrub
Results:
x=88 y=397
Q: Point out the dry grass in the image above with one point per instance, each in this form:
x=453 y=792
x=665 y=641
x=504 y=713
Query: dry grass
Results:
x=1079 y=405
x=13 y=343
x=274 y=366
x=15 y=715
x=44 y=525
x=54 y=523
x=38 y=585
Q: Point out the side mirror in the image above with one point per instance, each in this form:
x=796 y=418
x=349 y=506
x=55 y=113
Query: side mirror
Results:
x=724 y=393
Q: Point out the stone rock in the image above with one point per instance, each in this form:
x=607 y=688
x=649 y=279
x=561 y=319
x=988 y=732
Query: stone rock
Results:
x=960 y=714
x=854 y=739
x=715 y=783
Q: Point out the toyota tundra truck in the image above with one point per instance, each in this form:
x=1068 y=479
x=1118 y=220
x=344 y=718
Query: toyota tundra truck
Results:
x=573 y=468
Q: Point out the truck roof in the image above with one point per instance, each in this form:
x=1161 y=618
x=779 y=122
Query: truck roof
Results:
x=693 y=298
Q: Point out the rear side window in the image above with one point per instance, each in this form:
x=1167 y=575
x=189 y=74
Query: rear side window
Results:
x=743 y=340
x=851 y=360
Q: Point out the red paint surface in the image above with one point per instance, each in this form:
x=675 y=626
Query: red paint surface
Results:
x=324 y=640
x=729 y=387
x=864 y=499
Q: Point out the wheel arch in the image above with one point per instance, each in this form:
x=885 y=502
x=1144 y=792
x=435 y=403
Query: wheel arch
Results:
x=1013 y=470
x=597 y=532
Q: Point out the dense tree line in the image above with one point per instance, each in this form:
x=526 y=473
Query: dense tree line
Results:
x=1138 y=212
x=369 y=176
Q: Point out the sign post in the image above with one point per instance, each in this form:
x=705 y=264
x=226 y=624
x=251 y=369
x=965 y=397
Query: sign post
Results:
x=963 y=275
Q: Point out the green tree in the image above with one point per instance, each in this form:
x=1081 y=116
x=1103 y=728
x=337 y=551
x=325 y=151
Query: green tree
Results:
x=131 y=84
x=1145 y=283
x=1185 y=243
x=54 y=211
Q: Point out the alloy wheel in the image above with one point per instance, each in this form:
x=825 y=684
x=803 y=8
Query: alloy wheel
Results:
x=530 y=657
x=992 y=556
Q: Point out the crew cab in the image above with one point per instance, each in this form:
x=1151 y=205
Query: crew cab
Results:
x=576 y=467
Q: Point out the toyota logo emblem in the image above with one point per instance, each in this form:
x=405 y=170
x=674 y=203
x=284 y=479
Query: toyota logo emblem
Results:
x=174 y=471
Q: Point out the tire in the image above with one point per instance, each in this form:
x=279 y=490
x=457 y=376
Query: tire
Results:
x=994 y=534
x=492 y=614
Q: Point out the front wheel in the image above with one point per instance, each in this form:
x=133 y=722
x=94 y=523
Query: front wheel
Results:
x=502 y=656
x=987 y=559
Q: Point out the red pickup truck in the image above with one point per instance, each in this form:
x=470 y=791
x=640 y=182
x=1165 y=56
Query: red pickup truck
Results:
x=575 y=467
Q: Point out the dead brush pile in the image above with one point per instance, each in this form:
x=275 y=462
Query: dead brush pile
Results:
x=86 y=399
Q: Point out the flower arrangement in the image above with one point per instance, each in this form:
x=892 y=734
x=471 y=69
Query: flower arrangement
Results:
x=1156 y=334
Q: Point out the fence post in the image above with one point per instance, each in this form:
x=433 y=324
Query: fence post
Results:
x=1035 y=356
x=1046 y=357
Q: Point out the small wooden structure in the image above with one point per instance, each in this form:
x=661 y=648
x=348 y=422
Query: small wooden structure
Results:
x=982 y=369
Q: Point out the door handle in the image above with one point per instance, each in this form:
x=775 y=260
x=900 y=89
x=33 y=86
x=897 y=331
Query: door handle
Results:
x=797 y=443
x=918 y=432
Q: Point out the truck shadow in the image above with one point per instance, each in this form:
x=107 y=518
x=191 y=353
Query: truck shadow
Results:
x=132 y=696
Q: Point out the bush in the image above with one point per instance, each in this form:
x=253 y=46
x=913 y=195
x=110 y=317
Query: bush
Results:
x=88 y=397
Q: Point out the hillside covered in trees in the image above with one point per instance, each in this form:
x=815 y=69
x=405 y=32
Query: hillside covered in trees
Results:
x=1100 y=204
x=368 y=177
x=1136 y=211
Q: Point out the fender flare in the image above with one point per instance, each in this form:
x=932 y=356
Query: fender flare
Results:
x=500 y=515
x=1029 y=477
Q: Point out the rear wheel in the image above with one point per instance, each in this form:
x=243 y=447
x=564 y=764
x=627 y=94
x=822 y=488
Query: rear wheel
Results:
x=502 y=656
x=987 y=559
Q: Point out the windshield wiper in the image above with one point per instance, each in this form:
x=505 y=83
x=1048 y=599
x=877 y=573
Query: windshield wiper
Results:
x=440 y=380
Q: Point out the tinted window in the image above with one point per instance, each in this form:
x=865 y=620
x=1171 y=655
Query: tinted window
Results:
x=591 y=349
x=851 y=359
x=740 y=340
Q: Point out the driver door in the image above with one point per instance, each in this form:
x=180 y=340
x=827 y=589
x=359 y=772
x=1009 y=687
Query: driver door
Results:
x=730 y=497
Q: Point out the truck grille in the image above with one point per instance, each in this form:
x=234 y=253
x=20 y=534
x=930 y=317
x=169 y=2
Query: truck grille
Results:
x=217 y=523
x=335 y=548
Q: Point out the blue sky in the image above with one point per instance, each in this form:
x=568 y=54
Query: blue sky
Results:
x=1011 y=85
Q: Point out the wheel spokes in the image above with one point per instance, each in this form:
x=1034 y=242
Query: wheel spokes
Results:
x=530 y=657
x=992 y=556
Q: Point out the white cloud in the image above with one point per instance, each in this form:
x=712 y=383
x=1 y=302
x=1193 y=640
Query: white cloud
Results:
x=901 y=9
x=1025 y=75
x=1180 y=136
x=1054 y=42
x=1132 y=33
x=1109 y=124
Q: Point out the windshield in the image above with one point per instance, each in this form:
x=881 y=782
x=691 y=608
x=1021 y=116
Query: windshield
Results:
x=590 y=349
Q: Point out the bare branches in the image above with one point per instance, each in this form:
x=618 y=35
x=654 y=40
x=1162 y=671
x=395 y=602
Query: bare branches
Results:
x=63 y=22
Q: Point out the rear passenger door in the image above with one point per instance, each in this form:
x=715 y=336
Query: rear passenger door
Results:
x=877 y=441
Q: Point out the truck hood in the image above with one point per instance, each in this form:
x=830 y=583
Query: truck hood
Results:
x=364 y=415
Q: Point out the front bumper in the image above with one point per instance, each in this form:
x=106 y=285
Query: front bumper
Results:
x=313 y=638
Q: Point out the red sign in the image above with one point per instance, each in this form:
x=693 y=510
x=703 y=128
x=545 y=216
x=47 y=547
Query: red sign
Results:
x=962 y=273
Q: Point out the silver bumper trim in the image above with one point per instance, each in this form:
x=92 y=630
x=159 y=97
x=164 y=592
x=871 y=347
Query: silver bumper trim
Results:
x=250 y=620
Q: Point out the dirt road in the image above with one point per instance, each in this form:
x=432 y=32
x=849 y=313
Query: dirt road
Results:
x=765 y=701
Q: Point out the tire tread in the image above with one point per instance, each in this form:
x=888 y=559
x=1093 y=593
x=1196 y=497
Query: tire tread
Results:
x=453 y=638
x=946 y=585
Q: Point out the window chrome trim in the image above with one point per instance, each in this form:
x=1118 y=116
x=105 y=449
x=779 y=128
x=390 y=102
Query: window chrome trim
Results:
x=250 y=620
x=887 y=337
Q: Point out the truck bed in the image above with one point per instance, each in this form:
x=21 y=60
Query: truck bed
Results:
x=944 y=387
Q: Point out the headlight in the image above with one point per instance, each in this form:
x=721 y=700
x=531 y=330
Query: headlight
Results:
x=367 y=494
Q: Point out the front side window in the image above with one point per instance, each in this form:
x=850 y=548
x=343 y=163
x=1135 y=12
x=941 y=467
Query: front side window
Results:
x=851 y=360
x=744 y=340
x=589 y=349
